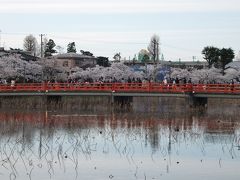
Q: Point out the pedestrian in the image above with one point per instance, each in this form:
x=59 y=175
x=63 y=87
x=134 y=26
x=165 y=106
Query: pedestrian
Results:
x=165 y=81
x=177 y=81
x=184 y=81
x=12 y=83
x=232 y=85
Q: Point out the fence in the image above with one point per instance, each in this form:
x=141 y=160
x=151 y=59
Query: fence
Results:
x=123 y=87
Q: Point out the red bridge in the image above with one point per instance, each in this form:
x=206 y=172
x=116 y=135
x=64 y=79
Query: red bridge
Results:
x=122 y=87
x=195 y=94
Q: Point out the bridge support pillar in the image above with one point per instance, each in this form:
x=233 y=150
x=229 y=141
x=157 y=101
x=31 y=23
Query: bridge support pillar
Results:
x=122 y=100
x=197 y=101
x=53 y=101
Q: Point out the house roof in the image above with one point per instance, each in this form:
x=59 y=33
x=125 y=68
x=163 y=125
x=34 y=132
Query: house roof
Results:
x=3 y=52
x=73 y=56
x=24 y=55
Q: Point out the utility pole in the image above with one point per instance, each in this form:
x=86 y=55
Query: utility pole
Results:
x=162 y=58
x=158 y=52
x=41 y=35
x=24 y=73
x=156 y=48
x=194 y=57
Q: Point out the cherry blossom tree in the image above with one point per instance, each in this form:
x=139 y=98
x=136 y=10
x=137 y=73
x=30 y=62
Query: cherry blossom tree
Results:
x=212 y=75
x=117 y=71
x=13 y=67
x=51 y=71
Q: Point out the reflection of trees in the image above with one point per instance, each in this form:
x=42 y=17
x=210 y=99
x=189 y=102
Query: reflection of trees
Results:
x=12 y=123
x=65 y=103
x=154 y=137
x=52 y=140
x=160 y=106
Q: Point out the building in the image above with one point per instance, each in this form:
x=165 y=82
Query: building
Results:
x=23 y=54
x=185 y=64
x=71 y=60
x=173 y=64
x=233 y=65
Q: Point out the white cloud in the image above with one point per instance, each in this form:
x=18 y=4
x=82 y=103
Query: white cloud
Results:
x=93 y=6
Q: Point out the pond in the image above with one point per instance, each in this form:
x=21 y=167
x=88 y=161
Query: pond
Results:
x=136 y=143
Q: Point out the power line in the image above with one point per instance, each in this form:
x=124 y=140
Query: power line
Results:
x=178 y=48
x=163 y=45
x=81 y=39
x=98 y=41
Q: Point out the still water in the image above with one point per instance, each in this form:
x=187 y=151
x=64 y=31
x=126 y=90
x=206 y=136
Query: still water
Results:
x=154 y=142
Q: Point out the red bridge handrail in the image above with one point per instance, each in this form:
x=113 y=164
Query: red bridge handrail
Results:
x=122 y=87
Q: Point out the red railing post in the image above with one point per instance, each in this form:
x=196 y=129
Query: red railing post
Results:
x=45 y=86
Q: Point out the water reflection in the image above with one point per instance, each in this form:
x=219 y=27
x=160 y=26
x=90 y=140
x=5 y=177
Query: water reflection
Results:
x=83 y=145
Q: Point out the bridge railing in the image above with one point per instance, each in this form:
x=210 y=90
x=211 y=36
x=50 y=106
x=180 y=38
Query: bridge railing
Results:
x=216 y=88
x=123 y=87
x=174 y=88
x=79 y=86
x=23 y=87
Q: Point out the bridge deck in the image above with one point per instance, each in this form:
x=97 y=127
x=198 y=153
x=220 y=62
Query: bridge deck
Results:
x=121 y=89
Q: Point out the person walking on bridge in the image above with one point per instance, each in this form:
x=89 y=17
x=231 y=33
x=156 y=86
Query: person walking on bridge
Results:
x=232 y=85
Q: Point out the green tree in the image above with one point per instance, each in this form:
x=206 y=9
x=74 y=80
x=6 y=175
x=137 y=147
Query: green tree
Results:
x=226 y=56
x=103 y=61
x=211 y=55
x=145 y=58
x=86 y=53
x=71 y=48
x=50 y=48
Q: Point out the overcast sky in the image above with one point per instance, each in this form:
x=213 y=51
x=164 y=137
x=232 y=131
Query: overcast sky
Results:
x=109 y=26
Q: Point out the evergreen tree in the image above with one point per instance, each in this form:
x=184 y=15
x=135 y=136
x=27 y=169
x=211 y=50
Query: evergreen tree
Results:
x=117 y=57
x=50 y=48
x=218 y=57
x=103 y=61
x=211 y=55
x=86 y=53
x=145 y=58
x=226 y=56
x=71 y=48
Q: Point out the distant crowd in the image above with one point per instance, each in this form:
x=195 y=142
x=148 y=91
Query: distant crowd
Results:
x=115 y=80
x=129 y=80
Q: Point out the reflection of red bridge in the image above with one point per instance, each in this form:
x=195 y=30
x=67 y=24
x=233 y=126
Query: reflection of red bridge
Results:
x=211 y=124
x=122 y=88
